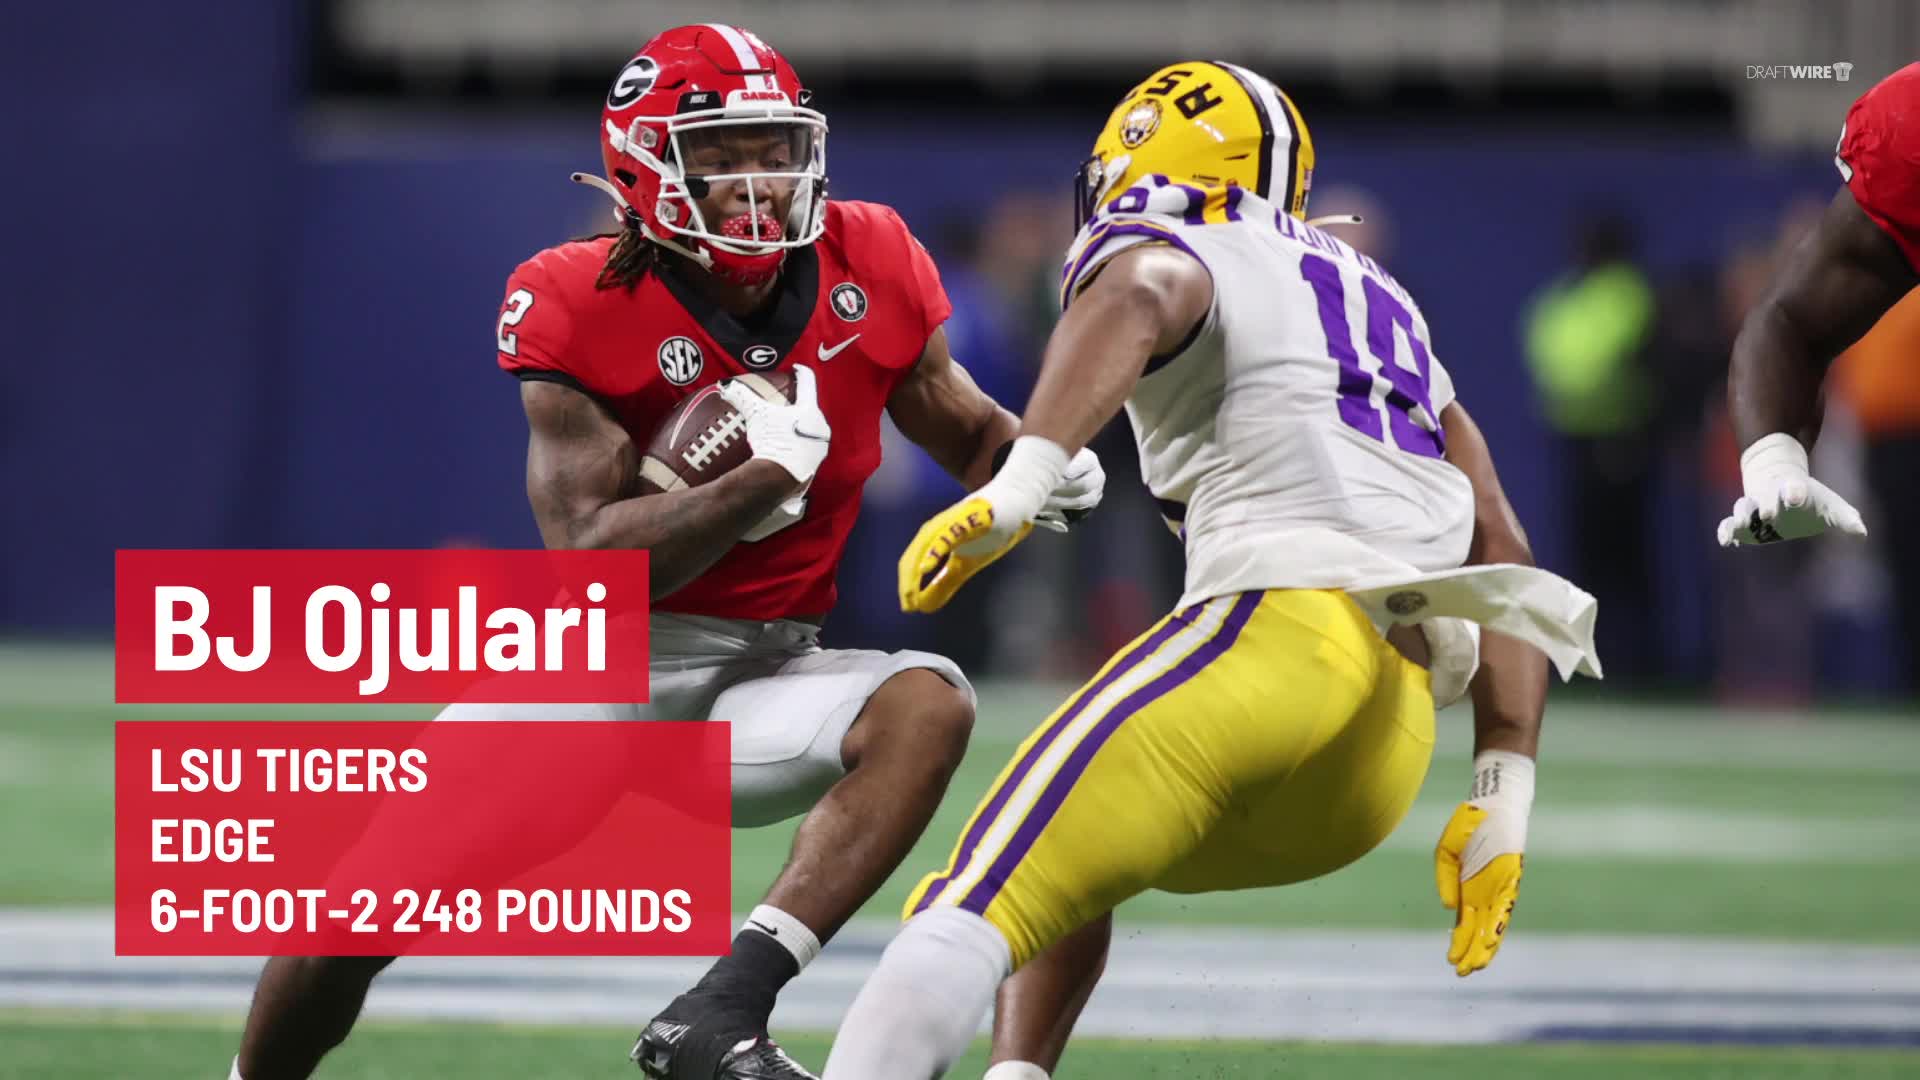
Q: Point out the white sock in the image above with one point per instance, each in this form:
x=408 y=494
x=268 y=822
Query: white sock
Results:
x=924 y=1003
x=1016 y=1070
x=234 y=1073
x=791 y=933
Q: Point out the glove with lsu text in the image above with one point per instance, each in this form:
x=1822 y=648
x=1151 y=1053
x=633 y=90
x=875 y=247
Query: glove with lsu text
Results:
x=970 y=535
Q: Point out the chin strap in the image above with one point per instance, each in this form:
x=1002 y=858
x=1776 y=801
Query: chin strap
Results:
x=1336 y=219
x=704 y=258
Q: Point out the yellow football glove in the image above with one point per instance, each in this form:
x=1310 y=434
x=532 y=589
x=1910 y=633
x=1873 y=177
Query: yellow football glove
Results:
x=968 y=536
x=951 y=547
x=1478 y=862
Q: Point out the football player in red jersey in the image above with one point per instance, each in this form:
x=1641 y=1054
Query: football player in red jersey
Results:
x=730 y=260
x=1856 y=263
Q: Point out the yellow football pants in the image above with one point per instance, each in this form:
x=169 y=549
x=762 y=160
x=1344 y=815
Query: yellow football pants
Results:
x=1257 y=739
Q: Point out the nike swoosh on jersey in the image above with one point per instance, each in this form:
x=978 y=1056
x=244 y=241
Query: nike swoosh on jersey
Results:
x=827 y=354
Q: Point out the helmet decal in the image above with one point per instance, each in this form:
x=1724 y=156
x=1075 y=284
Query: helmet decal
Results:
x=634 y=80
x=1141 y=122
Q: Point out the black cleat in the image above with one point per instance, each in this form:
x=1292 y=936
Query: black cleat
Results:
x=716 y=1047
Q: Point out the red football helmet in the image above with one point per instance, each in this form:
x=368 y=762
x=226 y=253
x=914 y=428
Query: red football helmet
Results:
x=700 y=81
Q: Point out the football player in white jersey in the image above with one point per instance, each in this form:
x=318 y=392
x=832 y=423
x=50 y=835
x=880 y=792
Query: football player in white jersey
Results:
x=1346 y=539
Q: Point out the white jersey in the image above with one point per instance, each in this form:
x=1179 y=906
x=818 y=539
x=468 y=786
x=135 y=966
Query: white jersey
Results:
x=1294 y=441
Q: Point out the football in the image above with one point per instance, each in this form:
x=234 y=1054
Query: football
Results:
x=704 y=438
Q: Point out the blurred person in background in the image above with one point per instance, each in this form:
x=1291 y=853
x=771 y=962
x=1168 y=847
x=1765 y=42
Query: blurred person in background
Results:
x=1878 y=380
x=1762 y=613
x=1585 y=339
x=986 y=328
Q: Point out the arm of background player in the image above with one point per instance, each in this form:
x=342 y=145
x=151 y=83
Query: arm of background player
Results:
x=1835 y=285
x=1510 y=689
x=941 y=408
x=1144 y=303
x=581 y=472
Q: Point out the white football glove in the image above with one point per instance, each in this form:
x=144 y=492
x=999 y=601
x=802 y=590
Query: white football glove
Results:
x=793 y=435
x=1077 y=493
x=1782 y=501
x=1074 y=497
x=783 y=515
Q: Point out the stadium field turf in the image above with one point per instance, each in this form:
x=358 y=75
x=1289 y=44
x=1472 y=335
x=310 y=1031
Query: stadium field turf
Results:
x=84 y=1046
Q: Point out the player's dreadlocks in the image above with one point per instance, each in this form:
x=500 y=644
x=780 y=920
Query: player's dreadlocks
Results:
x=628 y=261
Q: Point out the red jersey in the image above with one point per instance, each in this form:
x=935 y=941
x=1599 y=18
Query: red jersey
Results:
x=857 y=306
x=1879 y=155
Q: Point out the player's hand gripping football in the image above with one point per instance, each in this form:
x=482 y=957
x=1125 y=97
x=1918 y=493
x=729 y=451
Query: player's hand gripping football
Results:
x=1478 y=860
x=970 y=535
x=793 y=435
x=1780 y=501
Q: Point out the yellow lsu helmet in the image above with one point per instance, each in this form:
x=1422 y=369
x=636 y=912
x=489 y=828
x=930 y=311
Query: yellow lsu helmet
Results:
x=1203 y=123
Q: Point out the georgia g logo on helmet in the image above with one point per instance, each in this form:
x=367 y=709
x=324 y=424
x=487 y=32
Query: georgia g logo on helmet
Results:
x=634 y=80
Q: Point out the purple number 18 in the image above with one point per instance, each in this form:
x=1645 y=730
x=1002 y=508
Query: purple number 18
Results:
x=1406 y=390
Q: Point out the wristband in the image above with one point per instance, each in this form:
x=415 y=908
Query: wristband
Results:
x=1502 y=778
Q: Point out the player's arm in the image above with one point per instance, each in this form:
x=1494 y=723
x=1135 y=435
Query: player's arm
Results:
x=1510 y=688
x=1478 y=859
x=941 y=408
x=1144 y=302
x=945 y=413
x=1837 y=282
x=582 y=473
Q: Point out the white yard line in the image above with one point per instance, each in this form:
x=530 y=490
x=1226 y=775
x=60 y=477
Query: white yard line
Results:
x=1161 y=983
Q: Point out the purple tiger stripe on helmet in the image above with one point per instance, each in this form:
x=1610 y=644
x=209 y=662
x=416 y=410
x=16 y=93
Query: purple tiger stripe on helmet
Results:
x=1132 y=659
x=989 y=886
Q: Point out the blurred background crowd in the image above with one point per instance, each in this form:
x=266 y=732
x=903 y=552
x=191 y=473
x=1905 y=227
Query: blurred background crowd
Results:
x=258 y=258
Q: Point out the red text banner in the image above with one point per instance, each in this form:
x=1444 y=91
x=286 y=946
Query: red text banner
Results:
x=367 y=838
x=391 y=626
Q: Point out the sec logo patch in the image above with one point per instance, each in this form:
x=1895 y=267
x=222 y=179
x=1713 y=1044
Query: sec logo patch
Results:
x=848 y=301
x=680 y=360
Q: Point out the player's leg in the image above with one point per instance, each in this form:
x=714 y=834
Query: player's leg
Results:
x=1350 y=793
x=303 y=1007
x=1122 y=783
x=1037 y=1007
x=864 y=743
x=306 y=1006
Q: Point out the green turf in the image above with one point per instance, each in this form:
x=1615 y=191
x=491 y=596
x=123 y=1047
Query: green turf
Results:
x=103 y=1046
x=1788 y=787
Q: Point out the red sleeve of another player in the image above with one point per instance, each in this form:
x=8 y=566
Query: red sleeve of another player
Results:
x=1879 y=155
x=534 y=325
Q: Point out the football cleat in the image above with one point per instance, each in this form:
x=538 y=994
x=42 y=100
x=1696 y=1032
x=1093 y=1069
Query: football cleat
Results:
x=674 y=1050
